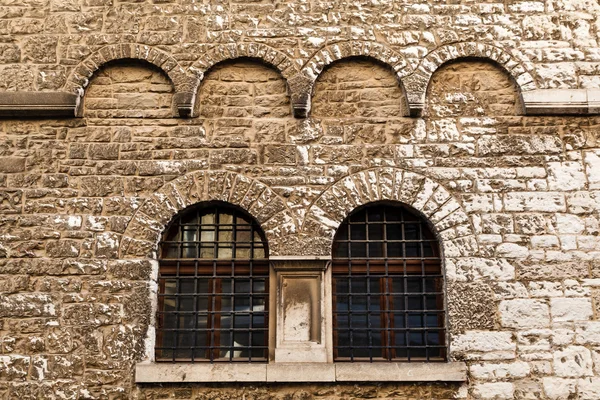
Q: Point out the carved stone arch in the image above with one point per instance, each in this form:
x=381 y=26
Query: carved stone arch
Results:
x=184 y=84
x=286 y=66
x=277 y=59
x=304 y=82
x=452 y=225
x=144 y=231
x=417 y=83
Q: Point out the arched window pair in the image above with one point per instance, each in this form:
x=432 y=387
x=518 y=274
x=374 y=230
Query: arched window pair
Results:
x=387 y=287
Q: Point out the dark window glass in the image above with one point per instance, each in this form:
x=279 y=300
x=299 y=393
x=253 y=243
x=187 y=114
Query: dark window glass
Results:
x=213 y=287
x=387 y=287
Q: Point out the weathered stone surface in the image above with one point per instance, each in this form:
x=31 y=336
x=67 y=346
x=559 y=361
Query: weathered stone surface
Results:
x=298 y=114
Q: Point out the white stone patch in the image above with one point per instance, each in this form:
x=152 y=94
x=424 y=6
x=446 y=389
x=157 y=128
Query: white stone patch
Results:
x=483 y=341
x=591 y=159
x=566 y=175
x=524 y=313
x=569 y=224
x=571 y=309
x=496 y=390
x=511 y=250
x=559 y=388
x=588 y=333
x=573 y=361
x=589 y=388
x=492 y=371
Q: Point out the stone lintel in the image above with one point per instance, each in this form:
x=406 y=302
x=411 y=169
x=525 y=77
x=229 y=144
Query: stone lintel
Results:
x=37 y=104
x=561 y=102
x=299 y=263
x=301 y=372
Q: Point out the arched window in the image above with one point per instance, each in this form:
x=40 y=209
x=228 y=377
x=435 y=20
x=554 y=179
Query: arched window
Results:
x=213 y=287
x=388 y=301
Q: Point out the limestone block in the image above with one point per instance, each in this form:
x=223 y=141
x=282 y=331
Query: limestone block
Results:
x=495 y=390
x=588 y=333
x=559 y=388
x=570 y=309
x=566 y=176
x=573 y=361
x=483 y=341
x=524 y=313
x=591 y=159
x=589 y=388
x=493 y=371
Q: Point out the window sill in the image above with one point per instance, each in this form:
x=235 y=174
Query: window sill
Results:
x=301 y=372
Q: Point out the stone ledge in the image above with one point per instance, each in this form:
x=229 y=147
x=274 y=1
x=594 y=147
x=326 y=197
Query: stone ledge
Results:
x=301 y=372
x=561 y=102
x=37 y=104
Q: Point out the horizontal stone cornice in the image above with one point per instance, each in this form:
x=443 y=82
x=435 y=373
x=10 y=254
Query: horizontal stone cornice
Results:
x=37 y=104
x=62 y=104
x=562 y=102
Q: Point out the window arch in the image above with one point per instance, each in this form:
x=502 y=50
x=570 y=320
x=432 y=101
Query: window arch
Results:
x=388 y=301
x=213 y=287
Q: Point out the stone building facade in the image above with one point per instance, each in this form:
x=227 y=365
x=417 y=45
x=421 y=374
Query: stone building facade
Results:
x=480 y=115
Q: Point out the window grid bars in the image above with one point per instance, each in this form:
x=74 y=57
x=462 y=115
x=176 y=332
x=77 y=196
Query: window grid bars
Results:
x=212 y=273
x=389 y=349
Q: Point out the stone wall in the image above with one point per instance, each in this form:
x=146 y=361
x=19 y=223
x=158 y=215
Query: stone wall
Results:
x=515 y=199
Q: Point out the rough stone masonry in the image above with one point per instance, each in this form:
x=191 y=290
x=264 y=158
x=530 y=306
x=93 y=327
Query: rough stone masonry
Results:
x=481 y=114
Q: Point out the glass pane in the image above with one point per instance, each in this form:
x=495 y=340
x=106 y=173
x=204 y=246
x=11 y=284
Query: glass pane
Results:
x=415 y=303
x=259 y=252
x=414 y=285
x=190 y=234
x=413 y=249
x=341 y=303
x=188 y=250
x=225 y=252
x=258 y=286
x=241 y=252
x=376 y=250
x=341 y=250
x=394 y=250
x=358 y=232
x=358 y=250
x=187 y=286
x=375 y=214
x=376 y=231
x=243 y=236
x=208 y=219
x=225 y=218
x=207 y=251
x=242 y=286
x=207 y=235
x=394 y=232
x=225 y=235
x=411 y=232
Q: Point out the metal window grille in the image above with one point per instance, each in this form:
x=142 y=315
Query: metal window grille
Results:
x=388 y=301
x=213 y=288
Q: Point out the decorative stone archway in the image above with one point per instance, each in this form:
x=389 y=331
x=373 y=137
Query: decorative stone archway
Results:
x=302 y=85
x=441 y=208
x=417 y=83
x=285 y=65
x=184 y=84
x=143 y=233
